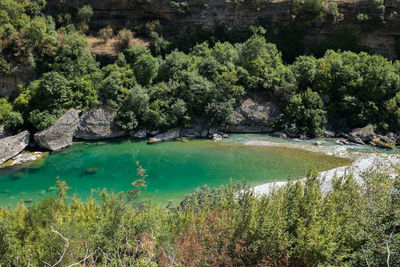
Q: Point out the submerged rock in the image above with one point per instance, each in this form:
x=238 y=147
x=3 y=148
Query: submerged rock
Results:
x=170 y=135
x=17 y=175
x=52 y=189
x=13 y=145
x=26 y=157
x=98 y=124
x=91 y=170
x=61 y=133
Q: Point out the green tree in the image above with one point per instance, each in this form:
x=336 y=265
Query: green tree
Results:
x=304 y=114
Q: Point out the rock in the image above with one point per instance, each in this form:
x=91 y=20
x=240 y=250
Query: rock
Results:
x=189 y=133
x=216 y=137
x=355 y=139
x=13 y=145
x=26 y=157
x=342 y=142
x=142 y=133
x=91 y=170
x=378 y=142
x=292 y=135
x=303 y=137
x=329 y=134
x=391 y=135
x=225 y=135
x=154 y=132
x=213 y=131
x=170 y=135
x=256 y=113
x=61 y=133
x=341 y=135
x=2 y=132
x=204 y=133
x=279 y=134
x=318 y=143
x=366 y=134
x=98 y=124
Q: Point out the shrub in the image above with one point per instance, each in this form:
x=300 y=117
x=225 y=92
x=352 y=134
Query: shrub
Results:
x=106 y=33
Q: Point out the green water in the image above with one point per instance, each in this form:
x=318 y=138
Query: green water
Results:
x=174 y=168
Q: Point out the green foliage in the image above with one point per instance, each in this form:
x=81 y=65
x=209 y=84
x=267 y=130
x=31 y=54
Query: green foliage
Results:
x=5 y=109
x=304 y=114
x=83 y=16
x=296 y=224
x=132 y=108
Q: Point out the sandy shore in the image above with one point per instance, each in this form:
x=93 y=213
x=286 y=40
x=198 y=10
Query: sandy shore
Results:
x=362 y=162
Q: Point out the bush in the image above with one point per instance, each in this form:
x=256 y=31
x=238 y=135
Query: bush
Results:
x=125 y=38
x=304 y=114
x=105 y=34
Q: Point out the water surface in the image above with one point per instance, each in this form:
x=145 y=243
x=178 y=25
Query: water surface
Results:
x=174 y=168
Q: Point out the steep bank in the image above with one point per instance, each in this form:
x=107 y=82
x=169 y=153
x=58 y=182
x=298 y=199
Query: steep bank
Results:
x=379 y=32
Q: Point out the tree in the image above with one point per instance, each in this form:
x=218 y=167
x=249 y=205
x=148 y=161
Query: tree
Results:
x=303 y=114
x=133 y=108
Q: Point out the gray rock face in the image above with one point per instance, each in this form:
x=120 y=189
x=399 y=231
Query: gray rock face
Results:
x=257 y=113
x=204 y=133
x=366 y=134
x=98 y=124
x=170 y=135
x=355 y=139
x=329 y=134
x=142 y=133
x=61 y=133
x=13 y=145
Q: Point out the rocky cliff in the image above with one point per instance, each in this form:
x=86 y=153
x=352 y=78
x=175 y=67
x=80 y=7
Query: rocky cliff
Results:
x=176 y=16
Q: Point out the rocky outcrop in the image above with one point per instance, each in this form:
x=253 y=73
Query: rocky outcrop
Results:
x=61 y=133
x=13 y=145
x=256 y=113
x=142 y=133
x=98 y=124
x=365 y=134
x=190 y=133
x=170 y=135
x=9 y=84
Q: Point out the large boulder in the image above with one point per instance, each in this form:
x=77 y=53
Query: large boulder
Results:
x=365 y=134
x=98 y=124
x=170 y=135
x=257 y=113
x=61 y=133
x=13 y=145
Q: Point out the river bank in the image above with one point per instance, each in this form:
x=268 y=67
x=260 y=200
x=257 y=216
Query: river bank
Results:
x=362 y=162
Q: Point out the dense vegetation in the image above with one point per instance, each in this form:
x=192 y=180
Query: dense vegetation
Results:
x=159 y=89
x=297 y=225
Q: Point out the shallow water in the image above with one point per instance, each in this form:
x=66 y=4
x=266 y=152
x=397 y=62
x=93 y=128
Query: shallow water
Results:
x=174 y=168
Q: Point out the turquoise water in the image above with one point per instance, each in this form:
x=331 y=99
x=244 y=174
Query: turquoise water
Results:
x=174 y=168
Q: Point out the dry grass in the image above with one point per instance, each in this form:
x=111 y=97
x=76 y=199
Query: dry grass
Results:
x=112 y=47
